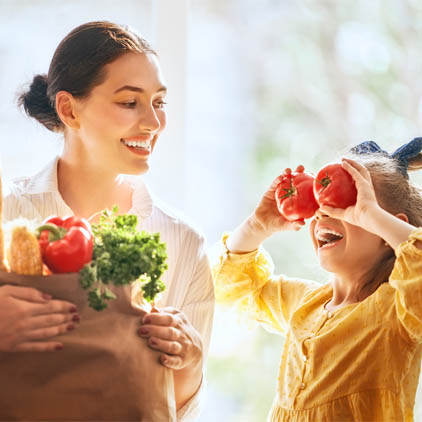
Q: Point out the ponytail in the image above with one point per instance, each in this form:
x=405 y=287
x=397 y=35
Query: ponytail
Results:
x=36 y=104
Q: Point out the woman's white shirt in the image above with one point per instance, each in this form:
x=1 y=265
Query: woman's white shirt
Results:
x=188 y=280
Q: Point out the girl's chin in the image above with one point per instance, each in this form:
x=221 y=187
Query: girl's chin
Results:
x=331 y=265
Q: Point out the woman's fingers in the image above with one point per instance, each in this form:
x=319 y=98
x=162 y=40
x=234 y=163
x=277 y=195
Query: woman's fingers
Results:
x=26 y=293
x=52 y=307
x=171 y=362
x=44 y=333
x=159 y=318
x=165 y=346
x=166 y=333
x=50 y=346
x=52 y=320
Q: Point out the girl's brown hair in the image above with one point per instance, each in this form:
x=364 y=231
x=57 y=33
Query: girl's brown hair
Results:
x=396 y=194
x=78 y=66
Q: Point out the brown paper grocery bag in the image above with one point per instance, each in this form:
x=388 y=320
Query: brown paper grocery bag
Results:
x=105 y=372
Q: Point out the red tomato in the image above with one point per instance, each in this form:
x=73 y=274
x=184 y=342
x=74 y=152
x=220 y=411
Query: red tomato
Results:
x=295 y=197
x=334 y=187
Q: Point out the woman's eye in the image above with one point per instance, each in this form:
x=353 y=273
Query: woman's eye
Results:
x=129 y=104
x=160 y=104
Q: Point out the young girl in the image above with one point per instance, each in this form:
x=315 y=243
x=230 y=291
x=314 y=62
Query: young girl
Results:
x=105 y=92
x=353 y=346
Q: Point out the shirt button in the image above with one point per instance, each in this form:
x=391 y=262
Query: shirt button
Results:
x=329 y=314
x=302 y=386
x=304 y=358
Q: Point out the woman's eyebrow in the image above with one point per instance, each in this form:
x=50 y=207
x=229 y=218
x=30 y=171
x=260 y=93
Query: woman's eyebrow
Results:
x=137 y=89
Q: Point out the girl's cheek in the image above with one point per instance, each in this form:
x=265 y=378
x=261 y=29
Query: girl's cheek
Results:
x=312 y=233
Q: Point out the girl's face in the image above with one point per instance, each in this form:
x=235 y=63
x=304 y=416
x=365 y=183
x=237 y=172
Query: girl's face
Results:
x=343 y=248
x=120 y=121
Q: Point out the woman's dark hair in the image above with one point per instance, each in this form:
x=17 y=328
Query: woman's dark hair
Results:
x=78 y=66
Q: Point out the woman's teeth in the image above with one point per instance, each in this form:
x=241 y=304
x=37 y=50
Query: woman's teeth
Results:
x=138 y=144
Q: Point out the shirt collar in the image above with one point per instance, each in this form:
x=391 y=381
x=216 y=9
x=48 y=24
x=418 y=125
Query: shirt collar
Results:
x=46 y=181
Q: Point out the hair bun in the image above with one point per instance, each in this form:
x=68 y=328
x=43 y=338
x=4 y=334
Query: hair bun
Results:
x=37 y=104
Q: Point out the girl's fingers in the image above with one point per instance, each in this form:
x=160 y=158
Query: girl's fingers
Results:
x=332 y=212
x=51 y=320
x=172 y=362
x=43 y=333
x=51 y=346
x=361 y=169
x=169 y=347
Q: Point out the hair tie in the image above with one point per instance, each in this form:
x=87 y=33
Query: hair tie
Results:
x=402 y=155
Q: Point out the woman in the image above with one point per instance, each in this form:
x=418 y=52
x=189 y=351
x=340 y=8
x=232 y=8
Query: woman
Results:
x=105 y=92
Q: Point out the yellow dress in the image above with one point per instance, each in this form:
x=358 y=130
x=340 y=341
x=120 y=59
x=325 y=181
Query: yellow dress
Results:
x=358 y=363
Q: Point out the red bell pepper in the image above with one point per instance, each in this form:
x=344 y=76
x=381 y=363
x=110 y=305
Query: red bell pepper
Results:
x=66 y=243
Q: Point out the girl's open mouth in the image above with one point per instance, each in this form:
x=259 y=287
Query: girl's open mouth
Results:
x=327 y=237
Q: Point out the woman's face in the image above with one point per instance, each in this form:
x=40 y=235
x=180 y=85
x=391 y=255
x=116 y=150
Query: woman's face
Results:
x=343 y=248
x=120 y=121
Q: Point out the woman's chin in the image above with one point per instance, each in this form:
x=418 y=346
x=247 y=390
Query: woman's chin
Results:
x=136 y=169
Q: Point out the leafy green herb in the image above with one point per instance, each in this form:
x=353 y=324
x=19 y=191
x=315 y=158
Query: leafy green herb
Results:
x=123 y=255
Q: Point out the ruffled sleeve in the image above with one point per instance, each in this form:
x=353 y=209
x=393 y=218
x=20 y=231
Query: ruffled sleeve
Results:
x=406 y=279
x=246 y=282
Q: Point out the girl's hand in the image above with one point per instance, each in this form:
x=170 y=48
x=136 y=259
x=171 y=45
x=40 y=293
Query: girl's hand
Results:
x=366 y=200
x=28 y=318
x=266 y=216
x=168 y=331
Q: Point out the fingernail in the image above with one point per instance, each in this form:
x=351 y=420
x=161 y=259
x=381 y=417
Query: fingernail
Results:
x=164 y=360
x=76 y=318
x=70 y=327
x=46 y=296
x=147 y=320
x=143 y=331
x=153 y=342
x=59 y=347
x=72 y=309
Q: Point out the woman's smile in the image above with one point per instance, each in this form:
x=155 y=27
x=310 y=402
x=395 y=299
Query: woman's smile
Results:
x=139 y=145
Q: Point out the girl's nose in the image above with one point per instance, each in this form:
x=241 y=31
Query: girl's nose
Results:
x=319 y=214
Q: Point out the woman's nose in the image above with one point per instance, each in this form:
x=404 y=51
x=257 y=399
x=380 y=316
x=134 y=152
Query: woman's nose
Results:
x=150 y=121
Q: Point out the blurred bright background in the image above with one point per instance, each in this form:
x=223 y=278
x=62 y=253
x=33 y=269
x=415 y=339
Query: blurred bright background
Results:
x=254 y=87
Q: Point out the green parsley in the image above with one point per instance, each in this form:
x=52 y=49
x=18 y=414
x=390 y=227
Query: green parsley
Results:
x=122 y=255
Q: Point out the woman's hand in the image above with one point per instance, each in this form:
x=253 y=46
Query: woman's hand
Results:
x=169 y=332
x=29 y=318
x=366 y=201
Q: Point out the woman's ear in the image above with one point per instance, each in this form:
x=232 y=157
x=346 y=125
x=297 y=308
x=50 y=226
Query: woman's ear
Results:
x=65 y=107
x=402 y=216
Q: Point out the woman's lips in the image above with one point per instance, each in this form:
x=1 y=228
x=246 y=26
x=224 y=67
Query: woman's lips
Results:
x=138 y=145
